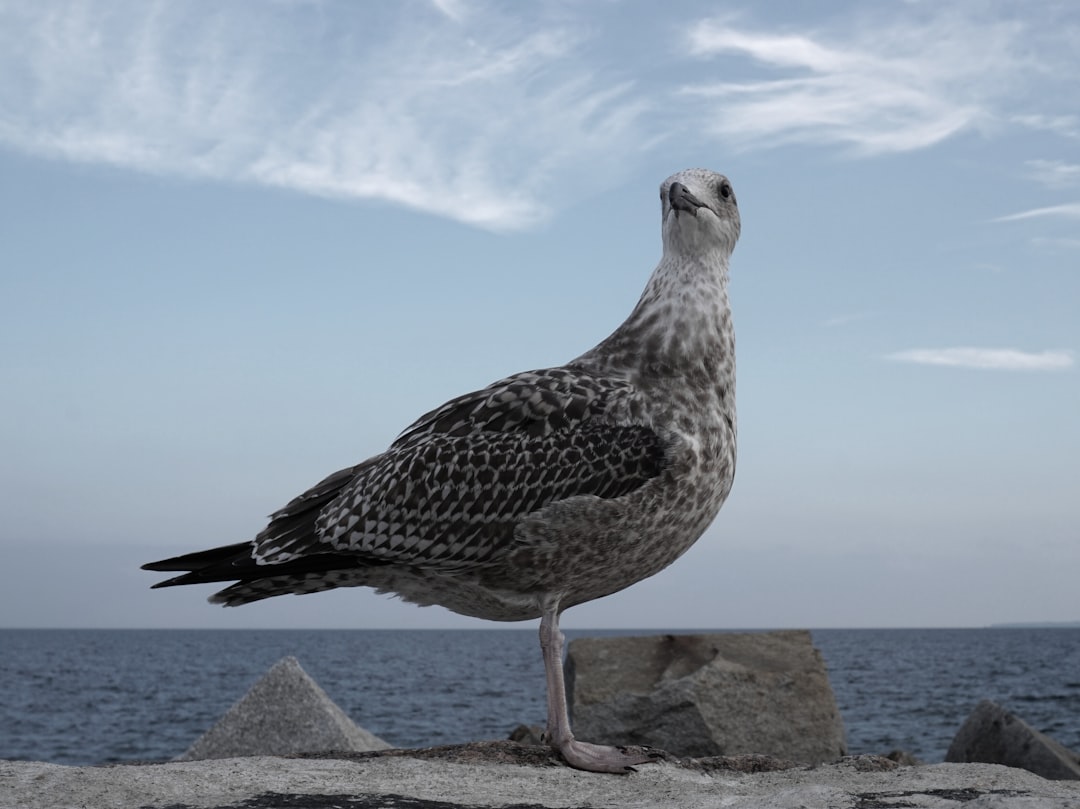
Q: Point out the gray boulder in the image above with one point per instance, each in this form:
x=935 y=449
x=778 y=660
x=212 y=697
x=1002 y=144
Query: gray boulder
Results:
x=992 y=735
x=284 y=713
x=707 y=695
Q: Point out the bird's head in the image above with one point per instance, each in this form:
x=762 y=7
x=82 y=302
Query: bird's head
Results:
x=699 y=213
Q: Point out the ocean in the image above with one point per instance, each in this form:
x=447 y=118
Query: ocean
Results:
x=103 y=696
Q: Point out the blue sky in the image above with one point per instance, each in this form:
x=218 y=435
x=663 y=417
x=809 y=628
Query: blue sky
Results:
x=243 y=245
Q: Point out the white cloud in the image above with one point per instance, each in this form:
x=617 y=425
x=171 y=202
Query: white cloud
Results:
x=1054 y=173
x=1001 y=359
x=461 y=109
x=1070 y=210
x=425 y=105
x=877 y=81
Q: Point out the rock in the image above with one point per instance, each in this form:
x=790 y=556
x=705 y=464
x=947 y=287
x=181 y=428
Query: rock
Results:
x=284 y=713
x=904 y=758
x=706 y=695
x=532 y=735
x=501 y=774
x=994 y=736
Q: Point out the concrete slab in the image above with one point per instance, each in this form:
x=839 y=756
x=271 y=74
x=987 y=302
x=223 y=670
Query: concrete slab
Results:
x=503 y=774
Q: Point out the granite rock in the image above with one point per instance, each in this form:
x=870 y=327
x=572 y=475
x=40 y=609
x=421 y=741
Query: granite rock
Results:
x=285 y=712
x=707 y=695
x=994 y=736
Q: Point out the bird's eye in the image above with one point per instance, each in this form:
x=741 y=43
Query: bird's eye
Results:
x=725 y=190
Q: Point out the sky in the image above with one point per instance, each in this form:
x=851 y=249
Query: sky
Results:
x=244 y=245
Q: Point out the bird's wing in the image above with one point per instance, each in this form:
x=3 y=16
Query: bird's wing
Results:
x=449 y=491
x=535 y=402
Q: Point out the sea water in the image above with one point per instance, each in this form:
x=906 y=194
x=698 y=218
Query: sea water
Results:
x=99 y=696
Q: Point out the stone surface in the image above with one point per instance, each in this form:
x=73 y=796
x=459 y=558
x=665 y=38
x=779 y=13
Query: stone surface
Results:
x=285 y=712
x=502 y=774
x=705 y=695
x=994 y=736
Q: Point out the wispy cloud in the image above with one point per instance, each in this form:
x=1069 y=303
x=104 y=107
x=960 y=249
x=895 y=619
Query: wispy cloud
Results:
x=999 y=359
x=878 y=81
x=1067 y=126
x=461 y=109
x=479 y=120
x=1069 y=210
x=454 y=9
x=844 y=320
x=1054 y=173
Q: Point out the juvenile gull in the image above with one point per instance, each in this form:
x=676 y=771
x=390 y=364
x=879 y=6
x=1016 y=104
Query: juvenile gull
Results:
x=545 y=489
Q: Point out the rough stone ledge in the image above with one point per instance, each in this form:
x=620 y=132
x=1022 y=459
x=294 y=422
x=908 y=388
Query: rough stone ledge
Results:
x=512 y=776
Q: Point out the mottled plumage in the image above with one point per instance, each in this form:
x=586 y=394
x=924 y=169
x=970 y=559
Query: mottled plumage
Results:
x=545 y=489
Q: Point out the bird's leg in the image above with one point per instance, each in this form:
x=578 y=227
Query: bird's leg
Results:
x=584 y=756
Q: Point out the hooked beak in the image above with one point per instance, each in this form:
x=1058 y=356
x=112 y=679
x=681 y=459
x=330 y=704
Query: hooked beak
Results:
x=680 y=199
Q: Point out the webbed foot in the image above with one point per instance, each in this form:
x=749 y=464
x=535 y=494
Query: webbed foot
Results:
x=602 y=758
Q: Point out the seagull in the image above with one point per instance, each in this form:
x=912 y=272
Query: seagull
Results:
x=546 y=489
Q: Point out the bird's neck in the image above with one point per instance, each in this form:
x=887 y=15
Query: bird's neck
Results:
x=680 y=331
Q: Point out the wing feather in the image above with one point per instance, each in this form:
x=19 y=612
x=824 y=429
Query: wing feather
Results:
x=450 y=490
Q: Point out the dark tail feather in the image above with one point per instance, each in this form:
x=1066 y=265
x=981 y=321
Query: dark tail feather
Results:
x=217 y=564
x=235 y=563
x=290 y=528
x=201 y=559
